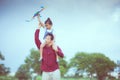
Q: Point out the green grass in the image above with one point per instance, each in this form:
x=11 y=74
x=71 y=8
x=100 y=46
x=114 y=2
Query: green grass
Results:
x=39 y=78
x=7 y=78
x=76 y=79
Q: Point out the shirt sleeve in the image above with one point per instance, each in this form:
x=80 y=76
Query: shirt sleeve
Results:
x=60 y=53
x=37 y=41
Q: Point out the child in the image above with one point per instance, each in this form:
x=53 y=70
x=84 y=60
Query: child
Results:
x=48 y=29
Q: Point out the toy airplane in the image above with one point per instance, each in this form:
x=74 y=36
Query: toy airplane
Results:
x=36 y=14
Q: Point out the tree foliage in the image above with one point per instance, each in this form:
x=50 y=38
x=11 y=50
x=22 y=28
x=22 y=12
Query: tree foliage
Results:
x=94 y=63
x=3 y=70
x=1 y=56
x=102 y=65
x=23 y=73
x=63 y=66
x=32 y=61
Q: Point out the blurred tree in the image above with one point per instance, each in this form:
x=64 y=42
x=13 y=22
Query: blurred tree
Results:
x=80 y=62
x=1 y=56
x=32 y=61
x=3 y=70
x=118 y=66
x=102 y=65
x=23 y=73
x=93 y=63
x=63 y=66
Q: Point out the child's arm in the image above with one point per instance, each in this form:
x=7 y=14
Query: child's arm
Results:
x=40 y=23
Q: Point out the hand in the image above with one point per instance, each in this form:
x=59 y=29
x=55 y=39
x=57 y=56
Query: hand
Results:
x=39 y=24
x=39 y=21
x=38 y=16
x=54 y=46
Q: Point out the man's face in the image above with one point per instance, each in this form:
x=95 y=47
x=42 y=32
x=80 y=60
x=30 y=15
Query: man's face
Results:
x=48 y=39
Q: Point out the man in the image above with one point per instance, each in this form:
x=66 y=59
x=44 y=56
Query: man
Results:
x=49 y=64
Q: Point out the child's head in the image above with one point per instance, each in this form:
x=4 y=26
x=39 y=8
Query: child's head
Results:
x=48 y=23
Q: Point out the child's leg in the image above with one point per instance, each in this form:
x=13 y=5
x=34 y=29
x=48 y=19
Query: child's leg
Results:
x=55 y=46
x=41 y=50
x=57 y=58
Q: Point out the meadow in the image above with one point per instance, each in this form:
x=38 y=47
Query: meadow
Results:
x=39 y=78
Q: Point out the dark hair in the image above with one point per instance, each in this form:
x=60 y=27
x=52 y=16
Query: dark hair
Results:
x=48 y=21
x=50 y=34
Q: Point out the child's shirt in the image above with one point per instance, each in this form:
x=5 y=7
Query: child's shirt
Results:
x=48 y=31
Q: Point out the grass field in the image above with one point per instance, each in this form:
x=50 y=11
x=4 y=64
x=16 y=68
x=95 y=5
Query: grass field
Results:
x=39 y=78
x=76 y=79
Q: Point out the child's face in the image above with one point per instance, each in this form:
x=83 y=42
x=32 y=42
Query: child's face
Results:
x=48 y=26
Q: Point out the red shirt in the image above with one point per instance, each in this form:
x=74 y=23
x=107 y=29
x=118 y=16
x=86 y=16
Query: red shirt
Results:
x=49 y=62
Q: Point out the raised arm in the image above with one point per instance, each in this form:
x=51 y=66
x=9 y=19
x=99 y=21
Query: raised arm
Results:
x=40 y=23
x=37 y=41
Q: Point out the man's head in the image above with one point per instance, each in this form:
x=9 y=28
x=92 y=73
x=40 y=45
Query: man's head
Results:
x=48 y=23
x=49 y=38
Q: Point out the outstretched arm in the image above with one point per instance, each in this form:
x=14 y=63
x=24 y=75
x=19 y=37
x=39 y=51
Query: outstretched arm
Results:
x=40 y=23
x=37 y=41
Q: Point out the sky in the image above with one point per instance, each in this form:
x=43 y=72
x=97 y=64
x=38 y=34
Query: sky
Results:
x=80 y=26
